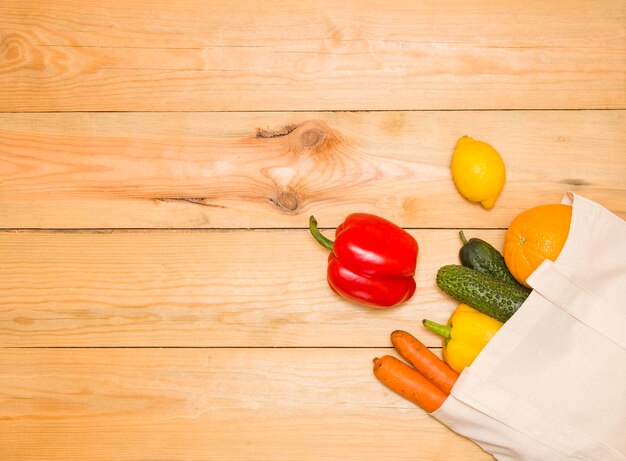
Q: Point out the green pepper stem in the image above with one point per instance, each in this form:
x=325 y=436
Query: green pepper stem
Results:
x=441 y=330
x=325 y=242
x=463 y=239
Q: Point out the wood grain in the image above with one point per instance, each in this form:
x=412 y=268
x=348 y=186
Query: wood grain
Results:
x=217 y=404
x=241 y=170
x=278 y=55
x=212 y=288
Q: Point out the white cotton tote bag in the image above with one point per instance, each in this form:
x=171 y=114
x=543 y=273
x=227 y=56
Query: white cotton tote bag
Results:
x=551 y=384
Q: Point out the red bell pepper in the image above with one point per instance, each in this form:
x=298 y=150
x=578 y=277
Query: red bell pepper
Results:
x=372 y=260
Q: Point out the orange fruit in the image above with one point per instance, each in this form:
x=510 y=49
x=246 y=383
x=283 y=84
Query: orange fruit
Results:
x=535 y=235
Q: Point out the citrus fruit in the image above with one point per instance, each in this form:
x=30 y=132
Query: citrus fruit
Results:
x=535 y=235
x=478 y=171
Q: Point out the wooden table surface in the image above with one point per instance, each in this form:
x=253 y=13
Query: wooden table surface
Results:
x=160 y=295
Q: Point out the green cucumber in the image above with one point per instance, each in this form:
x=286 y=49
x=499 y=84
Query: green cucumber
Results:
x=492 y=297
x=483 y=257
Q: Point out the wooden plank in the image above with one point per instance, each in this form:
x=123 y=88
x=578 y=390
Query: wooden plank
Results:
x=246 y=170
x=211 y=404
x=210 y=288
x=281 y=55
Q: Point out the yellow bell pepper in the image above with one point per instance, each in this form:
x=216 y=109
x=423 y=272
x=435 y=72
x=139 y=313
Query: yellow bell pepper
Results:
x=465 y=335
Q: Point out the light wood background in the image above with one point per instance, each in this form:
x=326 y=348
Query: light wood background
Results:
x=160 y=296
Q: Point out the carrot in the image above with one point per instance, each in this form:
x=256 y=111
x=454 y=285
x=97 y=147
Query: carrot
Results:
x=417 y=354
x=408 y=382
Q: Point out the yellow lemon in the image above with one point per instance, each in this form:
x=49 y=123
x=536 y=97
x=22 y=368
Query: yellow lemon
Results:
x=478 y=171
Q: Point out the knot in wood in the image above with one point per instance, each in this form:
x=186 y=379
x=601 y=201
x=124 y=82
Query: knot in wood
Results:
x=287 y=200
x=312 y=137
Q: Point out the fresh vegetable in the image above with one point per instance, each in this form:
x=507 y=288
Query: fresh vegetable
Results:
x=483 y=257
x=424 y=361
x=372 y=260
x=478 y=171
x=408 y=382
x=535 y=235
x=465 y=335
x=497 y=299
